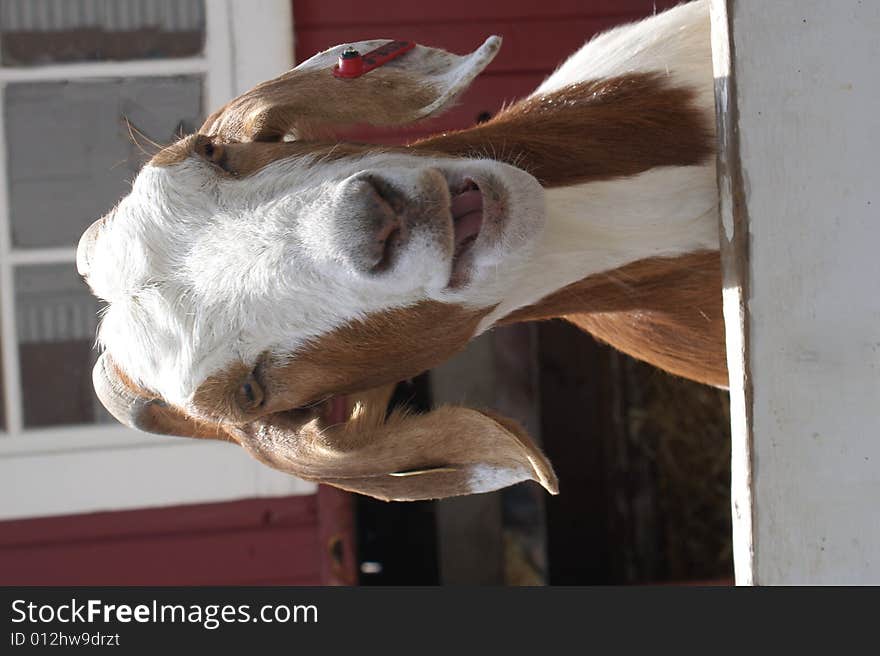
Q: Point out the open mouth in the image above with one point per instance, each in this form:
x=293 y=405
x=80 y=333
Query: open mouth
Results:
x=466 y=207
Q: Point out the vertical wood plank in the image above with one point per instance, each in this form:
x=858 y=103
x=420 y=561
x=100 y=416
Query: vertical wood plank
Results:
x=734 y=264
x=469 y=532
x=337 y=550
x=574 y=398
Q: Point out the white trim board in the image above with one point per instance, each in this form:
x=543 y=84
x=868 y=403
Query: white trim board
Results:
x=801 y=187
x=109 y=69
x=8 y=342
x=189 y=471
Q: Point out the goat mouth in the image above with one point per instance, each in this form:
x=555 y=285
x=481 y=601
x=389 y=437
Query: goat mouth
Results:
x=466 y=207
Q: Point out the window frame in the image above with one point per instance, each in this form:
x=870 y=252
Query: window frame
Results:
x=245 y=43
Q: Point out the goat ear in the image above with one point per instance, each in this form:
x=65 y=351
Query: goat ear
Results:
x=448 y=452
x=414 y=86
x=471 y=452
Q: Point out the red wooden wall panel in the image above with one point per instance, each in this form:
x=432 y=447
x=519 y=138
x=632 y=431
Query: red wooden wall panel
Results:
x=536 y=45
x=308 y=13
x=250 y=542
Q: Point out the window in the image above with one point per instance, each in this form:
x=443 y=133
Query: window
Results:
x=35 y=32
x=73 y=75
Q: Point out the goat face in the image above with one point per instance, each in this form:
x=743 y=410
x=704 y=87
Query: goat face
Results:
x=269 y=292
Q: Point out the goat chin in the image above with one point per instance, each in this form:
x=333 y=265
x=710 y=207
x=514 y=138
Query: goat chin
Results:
x=253 y=281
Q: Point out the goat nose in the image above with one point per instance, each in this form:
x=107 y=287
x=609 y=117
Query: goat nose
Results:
x=373 y=211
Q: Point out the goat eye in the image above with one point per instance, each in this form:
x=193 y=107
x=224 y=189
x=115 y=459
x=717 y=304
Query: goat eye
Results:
x=213 y=153
x=250 y=395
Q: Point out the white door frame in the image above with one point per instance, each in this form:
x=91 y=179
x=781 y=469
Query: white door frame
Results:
x=797 y=93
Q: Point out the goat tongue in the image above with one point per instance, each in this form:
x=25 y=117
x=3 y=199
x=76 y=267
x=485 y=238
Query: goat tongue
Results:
x=337 y=410
x=467 y=216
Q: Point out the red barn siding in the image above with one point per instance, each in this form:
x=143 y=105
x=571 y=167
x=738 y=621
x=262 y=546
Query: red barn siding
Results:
x=308 y=13
x=250 y=542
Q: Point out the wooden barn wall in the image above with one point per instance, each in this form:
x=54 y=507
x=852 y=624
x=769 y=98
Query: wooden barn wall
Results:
x=248 y=542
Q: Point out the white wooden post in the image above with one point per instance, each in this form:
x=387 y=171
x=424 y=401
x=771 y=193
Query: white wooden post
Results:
x=798 y=85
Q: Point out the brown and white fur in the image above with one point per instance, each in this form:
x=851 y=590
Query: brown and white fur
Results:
x=267 y=286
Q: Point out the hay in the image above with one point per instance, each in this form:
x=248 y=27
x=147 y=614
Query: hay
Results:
x=684 y=429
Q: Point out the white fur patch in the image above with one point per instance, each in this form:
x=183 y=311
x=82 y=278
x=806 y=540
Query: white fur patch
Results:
x=600 y=226
x=488 y=478
x=674 y=43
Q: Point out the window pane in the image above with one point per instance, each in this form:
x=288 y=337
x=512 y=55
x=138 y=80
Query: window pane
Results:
x=34 y=32
x=70 y=155
x=56 y=318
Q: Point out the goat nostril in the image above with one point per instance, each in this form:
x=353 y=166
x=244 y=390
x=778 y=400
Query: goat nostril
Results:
x=381 y=221
x=386 y=247
x=385 y=192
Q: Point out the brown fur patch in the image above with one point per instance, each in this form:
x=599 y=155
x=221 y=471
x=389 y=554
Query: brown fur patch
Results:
x=168 y=420
x=149 y=413
x=590 y=131
x=175 y=153
x=594 y=130
x=245 y=159
x=125 y=381
x=665 y=311
x=301 y=99
x=384 y=347
x=216 y=396
x=401 y=457
x=240 y=160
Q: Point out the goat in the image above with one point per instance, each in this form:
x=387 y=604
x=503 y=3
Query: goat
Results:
x=268 y=286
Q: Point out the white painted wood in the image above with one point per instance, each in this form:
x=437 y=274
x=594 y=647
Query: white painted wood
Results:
x=219 y=53
x=43 y=256
x=188 y=471
x=263 y=51
x=247 y=43
x=734 y=240
x=87 y=70
x=8 y=345
x=806 y=115
x=66 y=439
